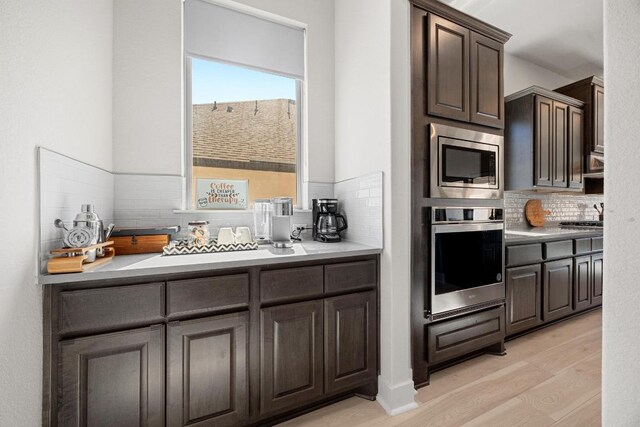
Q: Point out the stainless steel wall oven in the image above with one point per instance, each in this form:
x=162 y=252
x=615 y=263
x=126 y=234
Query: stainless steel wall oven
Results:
x=465 y=163
x=467 y=258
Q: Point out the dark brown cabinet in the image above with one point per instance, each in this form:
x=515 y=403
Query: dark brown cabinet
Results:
x=112 y=379
x=582 y=283
x=464 y=74
x=244 y=346
x=207 y=373
x=575 y=141
x=588 y=281
x=591 y=92
x=448 y=69
x=350 y=341
x=543 y=141
x=291 y=358
x=558 y=289
x=487 y=92
x=524 y=297
x=598 y=119
x=596 y=278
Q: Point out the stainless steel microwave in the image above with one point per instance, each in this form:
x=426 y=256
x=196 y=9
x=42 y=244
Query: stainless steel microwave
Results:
x=465 y=163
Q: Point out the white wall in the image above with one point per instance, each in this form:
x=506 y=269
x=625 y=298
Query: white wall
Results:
x=621 y=329
x=520 y=74
x=147 y=83
x=372 y=133
x=55 y=91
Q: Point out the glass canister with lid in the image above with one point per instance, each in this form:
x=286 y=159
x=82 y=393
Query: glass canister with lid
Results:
x=199 y=233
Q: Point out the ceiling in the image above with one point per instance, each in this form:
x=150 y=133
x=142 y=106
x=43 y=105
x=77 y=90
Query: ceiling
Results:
x=564 y=36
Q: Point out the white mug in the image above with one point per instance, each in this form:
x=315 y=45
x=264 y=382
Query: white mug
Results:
x=243 y=235
x=226 y=236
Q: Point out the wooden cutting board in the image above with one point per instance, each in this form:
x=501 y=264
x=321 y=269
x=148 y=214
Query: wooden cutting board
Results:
x=534 y=213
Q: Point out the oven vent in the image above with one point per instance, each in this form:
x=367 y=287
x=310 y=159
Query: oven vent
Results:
x=466 y=310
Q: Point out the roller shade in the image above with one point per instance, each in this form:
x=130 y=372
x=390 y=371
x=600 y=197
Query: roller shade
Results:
x=217 y=32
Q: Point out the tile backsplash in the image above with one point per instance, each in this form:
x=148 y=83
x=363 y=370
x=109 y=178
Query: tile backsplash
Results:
x=131 y=200
x=563 y=207
x=66 y=184
x=361 y=202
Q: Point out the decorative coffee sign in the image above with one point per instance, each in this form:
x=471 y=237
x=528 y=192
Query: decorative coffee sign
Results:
x=221 y=194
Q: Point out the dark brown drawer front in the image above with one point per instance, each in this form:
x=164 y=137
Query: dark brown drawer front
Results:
x=582 y=246
x=524 y=254
x=291 y=283
x=560 y=249
x=350 y=275
x=207 y=295
x=453 y=338
x=597 y=243
x=111 y=308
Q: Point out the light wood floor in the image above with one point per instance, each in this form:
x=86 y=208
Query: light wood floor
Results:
x=548 y=378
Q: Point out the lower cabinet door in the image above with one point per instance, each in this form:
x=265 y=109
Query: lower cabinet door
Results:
x=113 y=379
x=291 y=355
x=524 y=298
x=557 y=277
x=597 y=264
x=582 y=283
x=350 y=336
x=207 y=375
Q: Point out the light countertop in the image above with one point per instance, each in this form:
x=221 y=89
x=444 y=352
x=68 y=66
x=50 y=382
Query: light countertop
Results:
x=125 y=266
x=552 y=231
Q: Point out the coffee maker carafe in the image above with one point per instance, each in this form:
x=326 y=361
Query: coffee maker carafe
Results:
x=327 y=222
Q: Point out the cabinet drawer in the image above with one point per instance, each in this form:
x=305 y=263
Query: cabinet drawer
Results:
x=207 y=294
x=110 y=308
x=350 y=275
x=457 y=337
x=524 y=254
x=560 y=249
x=596 y=243
x=582 y=246
x=291 y=283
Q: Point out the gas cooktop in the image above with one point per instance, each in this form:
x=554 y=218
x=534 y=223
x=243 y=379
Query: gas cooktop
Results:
x=582 y=224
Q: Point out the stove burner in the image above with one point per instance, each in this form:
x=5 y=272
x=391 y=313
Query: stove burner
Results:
x=598 y=224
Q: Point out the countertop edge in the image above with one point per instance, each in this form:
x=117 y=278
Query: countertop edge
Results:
x=58 y=279
x=519 y=240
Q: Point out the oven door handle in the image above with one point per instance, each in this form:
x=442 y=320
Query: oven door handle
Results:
x=460 y=228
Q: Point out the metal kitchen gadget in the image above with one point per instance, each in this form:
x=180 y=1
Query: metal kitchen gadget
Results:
x=281 y=216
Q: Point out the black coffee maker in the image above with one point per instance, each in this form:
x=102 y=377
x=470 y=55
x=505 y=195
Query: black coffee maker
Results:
x=327 y=222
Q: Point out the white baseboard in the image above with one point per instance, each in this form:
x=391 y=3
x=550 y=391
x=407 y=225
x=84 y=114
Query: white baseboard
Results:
x=396 y=399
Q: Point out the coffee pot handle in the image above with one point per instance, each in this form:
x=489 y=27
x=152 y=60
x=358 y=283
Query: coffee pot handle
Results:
x=344 y=222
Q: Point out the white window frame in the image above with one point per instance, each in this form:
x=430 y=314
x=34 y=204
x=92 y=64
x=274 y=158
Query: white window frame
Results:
x=301 y=129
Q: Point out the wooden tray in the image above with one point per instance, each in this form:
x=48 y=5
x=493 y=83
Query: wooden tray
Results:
x=63 y=263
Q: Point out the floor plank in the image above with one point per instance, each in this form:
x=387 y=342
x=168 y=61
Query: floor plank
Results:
x=549 y=377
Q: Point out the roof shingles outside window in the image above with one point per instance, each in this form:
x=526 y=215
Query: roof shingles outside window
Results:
x=243 y=138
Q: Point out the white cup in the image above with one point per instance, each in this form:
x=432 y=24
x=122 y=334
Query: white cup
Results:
x=243 y=235
x=226 y=236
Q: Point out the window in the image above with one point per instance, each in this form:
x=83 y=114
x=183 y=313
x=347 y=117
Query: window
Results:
x=243 y=121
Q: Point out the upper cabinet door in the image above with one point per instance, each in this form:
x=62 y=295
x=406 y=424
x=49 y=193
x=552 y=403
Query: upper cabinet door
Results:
x=487 y=92
x=560 y=144
x=448 y=69
x=544 y=141
x=598 y=119
x=575 y=139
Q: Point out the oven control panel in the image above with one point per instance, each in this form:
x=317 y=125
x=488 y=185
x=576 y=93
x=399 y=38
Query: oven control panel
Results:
x=465 y=215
